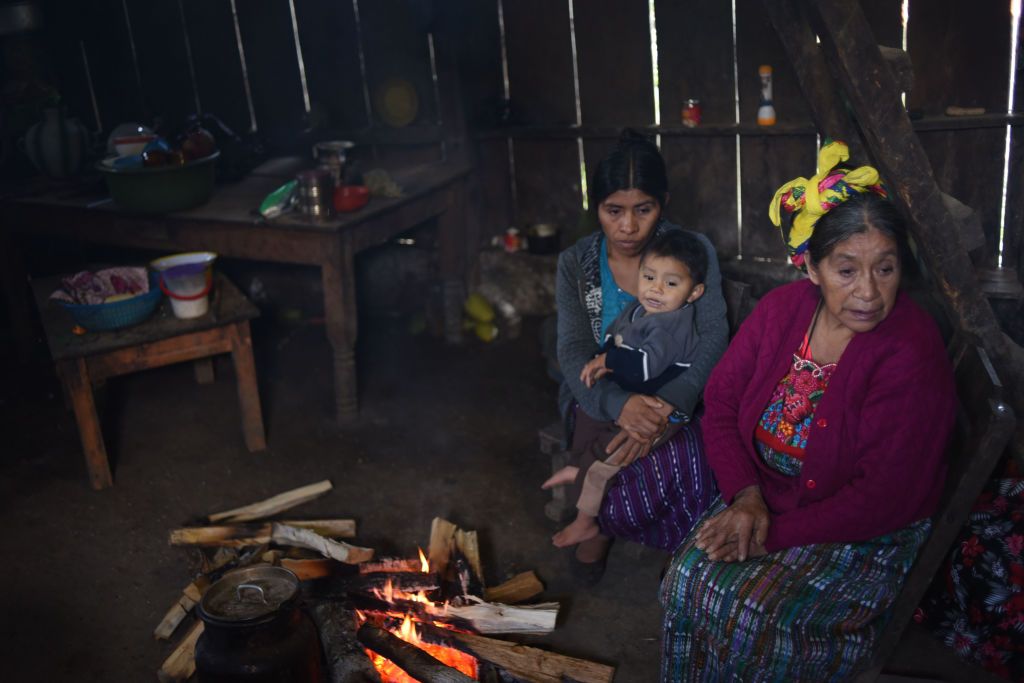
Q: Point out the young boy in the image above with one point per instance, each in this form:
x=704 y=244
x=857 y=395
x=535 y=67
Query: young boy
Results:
x=650 y=343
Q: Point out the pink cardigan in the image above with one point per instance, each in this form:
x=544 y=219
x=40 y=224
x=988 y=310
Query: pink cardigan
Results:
x=875 y=458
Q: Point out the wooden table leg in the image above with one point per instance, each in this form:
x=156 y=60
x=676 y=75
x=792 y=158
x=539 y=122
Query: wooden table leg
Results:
x=248 y=389
x=14 y=281
x=339 y=283
x=451 y=227
x=75 y=376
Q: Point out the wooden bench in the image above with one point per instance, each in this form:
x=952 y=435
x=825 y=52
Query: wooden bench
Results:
x=84 y=360
x=984 y=427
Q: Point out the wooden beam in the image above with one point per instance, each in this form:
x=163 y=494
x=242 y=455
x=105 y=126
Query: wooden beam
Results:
x=900 y=67
x=274 y=504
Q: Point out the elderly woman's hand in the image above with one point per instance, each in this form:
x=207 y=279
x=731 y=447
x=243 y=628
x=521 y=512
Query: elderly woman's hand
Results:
x=737 y=532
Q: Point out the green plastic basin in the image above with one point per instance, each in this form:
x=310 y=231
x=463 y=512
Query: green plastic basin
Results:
x=163 y=188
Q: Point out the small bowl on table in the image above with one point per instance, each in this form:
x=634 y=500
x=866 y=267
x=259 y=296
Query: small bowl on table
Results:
x=350 y=197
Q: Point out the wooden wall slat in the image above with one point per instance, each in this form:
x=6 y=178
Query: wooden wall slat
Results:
x=395 y=44
x=495 y=188
x=163 y=61
x=330 y=51
x=960 y=52
x=756 y=44
x=273 y=68
x=968 y=164
x=539 y=61
x=1013 y=242
x=475 y=35
x=884 y=18
x=219 y=79
x=766 y=163
x=613 y=52
x=61 y=38
x=702 y=187
x=547 y=182
x=111 y=63
x=695 y=59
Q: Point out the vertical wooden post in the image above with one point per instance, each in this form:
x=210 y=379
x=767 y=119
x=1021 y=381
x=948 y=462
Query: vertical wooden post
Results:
x=75 y=376
x=248 y=388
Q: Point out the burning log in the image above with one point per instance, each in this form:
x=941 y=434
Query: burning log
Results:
x=529 y=663
x=407 y=582
x=520 y=587
x=272 y=505
x=390 y=564
x=180 y=609
x=282 y=534
x=414 y=661
x=419 y=611
x=346 y=659
x=242 y=535
x=181 y=663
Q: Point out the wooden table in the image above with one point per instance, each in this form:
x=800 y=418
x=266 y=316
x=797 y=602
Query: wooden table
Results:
x=230 y=225
x=84 y=359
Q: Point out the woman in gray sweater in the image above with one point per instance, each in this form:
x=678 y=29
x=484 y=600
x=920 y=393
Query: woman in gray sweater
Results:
x=667 y=483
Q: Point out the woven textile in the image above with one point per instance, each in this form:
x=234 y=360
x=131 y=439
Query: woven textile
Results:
x=808 y=613
x=656 y=500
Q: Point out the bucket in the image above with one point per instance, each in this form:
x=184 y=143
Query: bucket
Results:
x=186 y=279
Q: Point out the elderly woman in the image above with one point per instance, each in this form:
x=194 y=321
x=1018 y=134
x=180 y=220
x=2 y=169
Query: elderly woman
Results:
x=655 y=499
x=826 y=423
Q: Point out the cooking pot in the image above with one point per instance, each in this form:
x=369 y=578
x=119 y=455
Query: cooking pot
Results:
x=255 y=632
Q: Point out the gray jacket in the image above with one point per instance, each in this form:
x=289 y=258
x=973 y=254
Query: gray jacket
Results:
x=578 y=298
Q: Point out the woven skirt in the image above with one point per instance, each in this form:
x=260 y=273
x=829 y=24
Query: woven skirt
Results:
x=657 y=499
x=810 y=613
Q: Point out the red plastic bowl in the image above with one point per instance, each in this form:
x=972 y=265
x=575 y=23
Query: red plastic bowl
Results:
x=351 y=197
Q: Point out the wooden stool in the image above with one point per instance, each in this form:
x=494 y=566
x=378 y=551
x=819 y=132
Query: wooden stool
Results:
x=83 y=360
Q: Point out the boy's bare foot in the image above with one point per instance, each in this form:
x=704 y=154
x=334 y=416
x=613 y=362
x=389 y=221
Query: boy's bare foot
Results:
x=583 y=528
x=566 y=475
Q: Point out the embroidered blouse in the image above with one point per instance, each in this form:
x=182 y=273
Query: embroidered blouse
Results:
x=780 y=436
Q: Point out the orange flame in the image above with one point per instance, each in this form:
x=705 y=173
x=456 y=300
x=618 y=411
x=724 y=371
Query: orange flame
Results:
x=424 y=564
x=392 y=673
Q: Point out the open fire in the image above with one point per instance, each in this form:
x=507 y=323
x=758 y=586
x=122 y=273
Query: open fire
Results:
x=388 y=670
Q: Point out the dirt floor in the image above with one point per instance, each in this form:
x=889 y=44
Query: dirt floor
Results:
x=449 y=431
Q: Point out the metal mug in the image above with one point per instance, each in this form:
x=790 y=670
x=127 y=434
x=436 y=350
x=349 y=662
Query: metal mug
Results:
x=332 y=155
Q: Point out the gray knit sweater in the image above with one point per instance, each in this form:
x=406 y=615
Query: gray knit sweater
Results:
x=578 y=297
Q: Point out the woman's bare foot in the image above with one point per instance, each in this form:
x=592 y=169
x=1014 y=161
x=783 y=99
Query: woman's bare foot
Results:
x=583 y=528
x=566 y=475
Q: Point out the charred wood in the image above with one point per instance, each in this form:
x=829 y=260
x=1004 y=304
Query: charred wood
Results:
x=414 y=661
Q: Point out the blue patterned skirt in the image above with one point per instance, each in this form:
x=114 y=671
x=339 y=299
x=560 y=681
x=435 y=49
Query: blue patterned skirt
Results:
x=810 y=613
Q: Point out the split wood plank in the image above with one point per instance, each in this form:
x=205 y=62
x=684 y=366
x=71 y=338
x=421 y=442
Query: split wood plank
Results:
x=416 y=662
x=520 y=587
x=444 y=537
x=242 y=535
x=274 y=504
x=529 y=663
x=391 y=564
x=180 y=609
x=181 y=663
x=308 y=569
x=283 y=534
x=488 y=617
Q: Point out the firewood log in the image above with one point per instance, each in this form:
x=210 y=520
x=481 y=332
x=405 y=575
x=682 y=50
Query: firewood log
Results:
x=345 y=657
x=272 y=505
x=283 y=534
x=520 y=587
x=411 y=659
x=181 y=663
x=180 y=609
x=242 y=535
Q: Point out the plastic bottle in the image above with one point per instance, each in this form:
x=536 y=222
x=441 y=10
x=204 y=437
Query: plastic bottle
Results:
x=765 y=110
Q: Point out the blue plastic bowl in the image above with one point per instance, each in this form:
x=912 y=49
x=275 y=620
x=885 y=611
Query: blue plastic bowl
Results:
x=119 y=314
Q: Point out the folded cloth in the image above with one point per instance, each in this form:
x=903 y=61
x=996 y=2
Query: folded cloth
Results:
x=95 y=288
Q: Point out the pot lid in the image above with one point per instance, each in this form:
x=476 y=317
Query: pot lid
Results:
x=249 y=593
